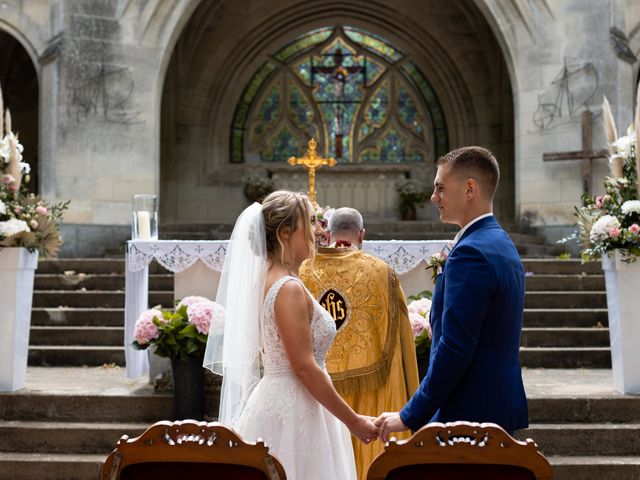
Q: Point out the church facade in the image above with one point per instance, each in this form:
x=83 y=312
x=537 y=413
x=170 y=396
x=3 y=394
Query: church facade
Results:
x=189 y=99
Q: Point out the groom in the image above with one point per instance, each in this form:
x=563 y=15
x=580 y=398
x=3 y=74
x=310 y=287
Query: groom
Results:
x=476 y=314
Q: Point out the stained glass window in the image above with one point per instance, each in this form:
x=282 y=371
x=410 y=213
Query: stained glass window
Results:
x=359 y=96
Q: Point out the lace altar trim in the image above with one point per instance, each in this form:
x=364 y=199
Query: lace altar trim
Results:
x=178 y=255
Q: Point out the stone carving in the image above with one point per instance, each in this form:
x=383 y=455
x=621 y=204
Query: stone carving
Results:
x=571 y=91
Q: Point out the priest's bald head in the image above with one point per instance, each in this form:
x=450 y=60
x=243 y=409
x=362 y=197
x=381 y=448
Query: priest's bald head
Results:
x=346 y=227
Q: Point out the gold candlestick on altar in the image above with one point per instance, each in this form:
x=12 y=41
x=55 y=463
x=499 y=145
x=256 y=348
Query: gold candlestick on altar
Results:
x=312 y=161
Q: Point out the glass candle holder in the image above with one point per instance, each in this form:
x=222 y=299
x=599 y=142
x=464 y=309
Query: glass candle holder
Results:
x=144 y=222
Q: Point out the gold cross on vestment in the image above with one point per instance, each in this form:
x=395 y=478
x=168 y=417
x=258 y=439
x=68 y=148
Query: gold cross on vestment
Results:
x=312 y=161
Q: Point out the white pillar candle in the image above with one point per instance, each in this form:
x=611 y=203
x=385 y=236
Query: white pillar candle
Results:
x=144 y=225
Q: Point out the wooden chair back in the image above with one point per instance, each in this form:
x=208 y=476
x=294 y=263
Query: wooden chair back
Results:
x=169 y=450
x=461 y=450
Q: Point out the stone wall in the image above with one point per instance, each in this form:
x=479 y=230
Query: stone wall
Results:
x=110 y=70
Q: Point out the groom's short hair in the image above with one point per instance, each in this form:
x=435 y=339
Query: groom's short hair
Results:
x=477 y=163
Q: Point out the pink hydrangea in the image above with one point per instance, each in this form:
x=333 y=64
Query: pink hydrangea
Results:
x=191 y=300
x=614 y=232
x=418 y=323
x=41 y=210
x=419 y=315
x=634 y=229
x=34 y=224
x=146 y=330
x=207 y=316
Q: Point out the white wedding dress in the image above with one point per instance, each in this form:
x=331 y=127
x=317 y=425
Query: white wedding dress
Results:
x=309 y=441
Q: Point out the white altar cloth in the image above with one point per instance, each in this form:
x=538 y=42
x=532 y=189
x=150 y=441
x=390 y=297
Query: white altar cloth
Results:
x=185 y=258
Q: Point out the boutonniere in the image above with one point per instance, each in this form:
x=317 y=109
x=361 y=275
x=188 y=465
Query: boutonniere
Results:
x=436 y=264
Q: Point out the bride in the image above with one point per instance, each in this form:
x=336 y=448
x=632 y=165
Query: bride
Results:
x=272 y=352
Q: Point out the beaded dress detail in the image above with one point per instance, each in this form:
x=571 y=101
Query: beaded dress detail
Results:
x=309 y=441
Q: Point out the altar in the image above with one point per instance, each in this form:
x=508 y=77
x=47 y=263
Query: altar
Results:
x=197 y=266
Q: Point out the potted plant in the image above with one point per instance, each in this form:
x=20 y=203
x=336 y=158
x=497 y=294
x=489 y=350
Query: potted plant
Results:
x=410 y=198
x=181 y=335
x=419 y=308
x=609 y=230
x=28 y=226
x=256 y=187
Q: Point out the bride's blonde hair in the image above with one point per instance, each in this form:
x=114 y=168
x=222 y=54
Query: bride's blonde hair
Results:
x=280 y=209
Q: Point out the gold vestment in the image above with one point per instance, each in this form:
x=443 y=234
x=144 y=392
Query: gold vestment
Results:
x=372 y=361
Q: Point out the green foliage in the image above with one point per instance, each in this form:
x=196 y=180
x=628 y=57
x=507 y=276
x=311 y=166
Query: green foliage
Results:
x=422 y=294
x=411 y=197
x=178 y=338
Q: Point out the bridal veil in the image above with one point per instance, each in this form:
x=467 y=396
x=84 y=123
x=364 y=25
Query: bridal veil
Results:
x=235 y=354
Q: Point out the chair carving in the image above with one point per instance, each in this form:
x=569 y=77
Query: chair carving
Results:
x=175 y=449
x=461 y=450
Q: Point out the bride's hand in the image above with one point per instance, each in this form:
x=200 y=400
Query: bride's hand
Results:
x=364 y=429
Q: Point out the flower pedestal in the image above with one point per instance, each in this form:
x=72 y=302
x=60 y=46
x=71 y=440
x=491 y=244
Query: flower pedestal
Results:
x=623 y=303
x=188 y=388
x=17 y=269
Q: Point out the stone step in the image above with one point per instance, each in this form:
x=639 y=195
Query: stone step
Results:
x=81 y=265
x=565 y=337
x=27 y=466
x=115 y=299
x=574 y=439
x=62 y=316
x=544 y=266
x=531 y=250
x=138 y=408
x=50 y=466
x=595 y=467
x=97 y=336
x=64 y=437
x=565 y=283
x=76 y=355
x=96 y=298
x=566 y=357
x=530 y=357
x=114 y=336
x=90 y=266
x=542 y=299
x=111 y=281
x=580 y=409
x=565 y=317
x=533 y=317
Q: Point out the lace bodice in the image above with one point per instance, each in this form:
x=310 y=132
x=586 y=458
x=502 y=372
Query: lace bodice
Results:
x=274 y=356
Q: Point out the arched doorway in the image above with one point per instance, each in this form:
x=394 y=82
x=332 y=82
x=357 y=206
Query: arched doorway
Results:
x=205 y=136
x=19 y=83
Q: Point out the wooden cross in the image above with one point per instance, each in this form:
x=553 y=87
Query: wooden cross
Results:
x=312 y=161
x=587 y=154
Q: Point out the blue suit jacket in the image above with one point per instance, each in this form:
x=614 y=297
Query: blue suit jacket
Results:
x=476 y=317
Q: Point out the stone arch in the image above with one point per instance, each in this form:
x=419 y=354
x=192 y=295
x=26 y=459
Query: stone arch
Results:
x=207 y=82
x=20 y=91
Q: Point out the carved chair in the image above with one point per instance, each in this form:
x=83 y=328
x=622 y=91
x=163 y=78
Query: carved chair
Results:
x=460 y=450
x=169 y=450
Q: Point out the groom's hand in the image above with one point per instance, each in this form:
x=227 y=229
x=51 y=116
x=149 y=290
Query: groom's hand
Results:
x=389 y=422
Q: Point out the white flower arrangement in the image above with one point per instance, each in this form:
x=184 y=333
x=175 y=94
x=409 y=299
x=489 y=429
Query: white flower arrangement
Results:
x=12 y=227
x=25 y=219
x=630 y=206
x=612 y=221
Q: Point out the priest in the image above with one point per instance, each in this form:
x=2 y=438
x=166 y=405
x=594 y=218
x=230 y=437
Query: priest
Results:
x=372 y=361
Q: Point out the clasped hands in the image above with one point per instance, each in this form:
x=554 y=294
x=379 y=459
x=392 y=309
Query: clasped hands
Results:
x=369 y=428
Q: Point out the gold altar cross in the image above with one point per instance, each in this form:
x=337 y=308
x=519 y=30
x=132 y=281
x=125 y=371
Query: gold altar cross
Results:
x=312 y=161
x=587 y=154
